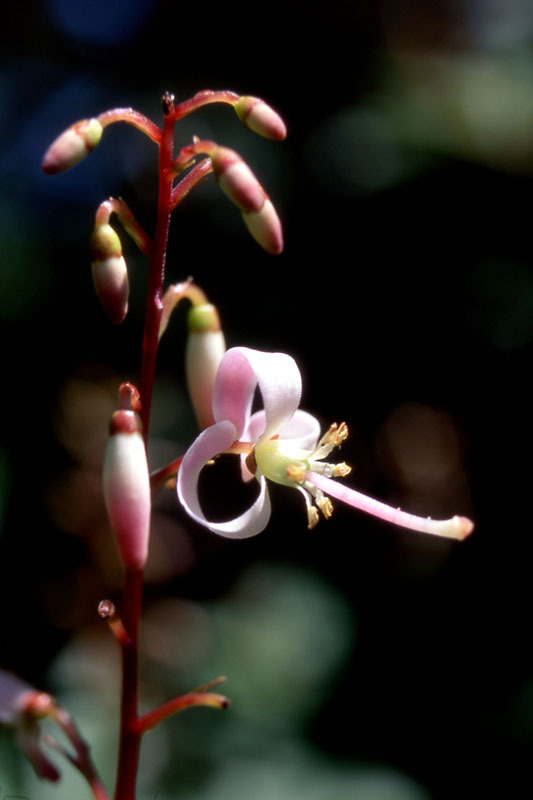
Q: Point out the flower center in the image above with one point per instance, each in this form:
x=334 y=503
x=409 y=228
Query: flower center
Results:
x=282 y=462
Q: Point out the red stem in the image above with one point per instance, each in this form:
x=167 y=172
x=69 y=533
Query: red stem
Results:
x=197 y=174
x=156 y=273
x=132 y=117
x=203 y=98
x=130 y=736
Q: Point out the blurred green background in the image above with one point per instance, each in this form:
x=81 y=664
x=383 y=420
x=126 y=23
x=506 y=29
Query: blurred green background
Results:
x=364 y=662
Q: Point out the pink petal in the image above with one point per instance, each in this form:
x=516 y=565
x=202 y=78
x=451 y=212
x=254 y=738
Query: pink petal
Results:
x=240 y=371
x=211 y=442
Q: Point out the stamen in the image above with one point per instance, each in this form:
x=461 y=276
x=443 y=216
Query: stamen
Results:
x=335 y=435
x=341 y=470
x=295 y=473
x=312 y=513
x=312 y=517
x=325 y=505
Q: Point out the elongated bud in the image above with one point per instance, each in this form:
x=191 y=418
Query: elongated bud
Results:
x=265 y=227
x=72 y=146
x=127 y=488
x=238 y=182
x=110 y=274
x=205 y=348
x=260 y=118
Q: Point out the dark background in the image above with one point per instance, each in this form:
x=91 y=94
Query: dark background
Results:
x=404 y=292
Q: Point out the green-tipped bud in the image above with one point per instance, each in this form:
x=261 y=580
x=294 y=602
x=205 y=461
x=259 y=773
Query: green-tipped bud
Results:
x=238 y=182
x=72 y=146
x=260 y=118
x=110 y=274
x=205 y=348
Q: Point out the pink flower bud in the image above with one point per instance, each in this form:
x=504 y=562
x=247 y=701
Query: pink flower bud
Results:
x=21 y=706
x=260 y=118
x=110 y=274
x=237 y=180
x=127 y=488
x=265 y=227
x=205 y=348
x=72 y=146
x=14 y=695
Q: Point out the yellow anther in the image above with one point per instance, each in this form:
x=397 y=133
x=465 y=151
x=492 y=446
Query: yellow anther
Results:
x=341 y=470
x=312 y=517
x=335 y=435
x=326 y=506
x=295 y=473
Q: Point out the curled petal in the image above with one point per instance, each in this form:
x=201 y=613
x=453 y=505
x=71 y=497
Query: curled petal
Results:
x=211 y=442
x=303 y=430
x=240 y=371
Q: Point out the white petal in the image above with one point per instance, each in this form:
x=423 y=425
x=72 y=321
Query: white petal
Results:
x=211 y=442
x=303 y=430
x=240 y=371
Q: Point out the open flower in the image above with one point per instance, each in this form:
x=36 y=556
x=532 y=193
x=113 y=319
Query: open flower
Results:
x=280 y=443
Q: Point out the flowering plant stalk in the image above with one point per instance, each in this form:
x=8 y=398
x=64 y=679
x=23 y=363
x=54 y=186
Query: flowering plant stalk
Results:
x=279 y=443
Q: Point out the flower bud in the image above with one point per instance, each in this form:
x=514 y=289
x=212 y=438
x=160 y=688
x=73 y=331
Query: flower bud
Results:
x=72 y=146
x=21 y=706
x=14 y=694
x=127 y=488
x=110 y=274
x=205 y=348
x=260 y=118
x=265 y=227
x=237 y=180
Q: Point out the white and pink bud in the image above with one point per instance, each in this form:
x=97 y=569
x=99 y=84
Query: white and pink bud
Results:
x=260 y=118
x=238 y=182
x=127 y=488
x=265 y=227
x=72 y=146
x=205 y=348
x=110 y=273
